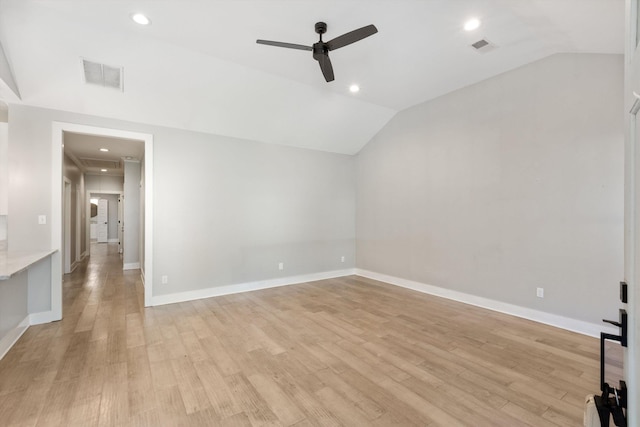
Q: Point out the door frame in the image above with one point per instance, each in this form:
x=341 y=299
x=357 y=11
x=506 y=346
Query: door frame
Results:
x=632 y=209
x=120 y=195
x=66 y=225
x=57 y=141
x=78 y=255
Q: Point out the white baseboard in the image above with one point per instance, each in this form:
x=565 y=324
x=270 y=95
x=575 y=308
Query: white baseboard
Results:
x=42 y=317
x=74 y=265
x=12 y=336
x=574 y=325
x=246 y=287
x=142 y=276
x=131 y=266
x=84 y=255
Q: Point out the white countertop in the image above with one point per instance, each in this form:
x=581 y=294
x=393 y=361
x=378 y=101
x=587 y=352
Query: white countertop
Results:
x=12 y=262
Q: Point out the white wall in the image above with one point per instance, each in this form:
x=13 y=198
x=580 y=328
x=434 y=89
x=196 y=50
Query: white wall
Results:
x=29 y=180
x=13 y=304
x=231 y=210
x=4 y=182
x=226 y=211
x=4 y=167
x=104 y=183
x=505 y=186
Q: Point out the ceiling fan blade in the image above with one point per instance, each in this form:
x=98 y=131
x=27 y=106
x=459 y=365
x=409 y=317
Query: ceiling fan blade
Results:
x=351 y=37
x=287 y=45
x=326 y=67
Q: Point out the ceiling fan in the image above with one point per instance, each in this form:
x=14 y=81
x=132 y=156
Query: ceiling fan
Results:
x=321 y=49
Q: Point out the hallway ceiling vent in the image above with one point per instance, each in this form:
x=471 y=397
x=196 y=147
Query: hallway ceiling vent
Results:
x=483 y=46
x=99 y=163
x=102 y=75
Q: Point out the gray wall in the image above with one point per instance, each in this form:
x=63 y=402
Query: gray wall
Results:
x=102 y=183
x=13 y=302
x=72 y=172
x=226 y=211
x=504 y=186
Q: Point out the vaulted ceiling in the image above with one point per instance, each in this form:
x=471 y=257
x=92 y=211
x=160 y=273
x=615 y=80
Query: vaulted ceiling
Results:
x=198 y=67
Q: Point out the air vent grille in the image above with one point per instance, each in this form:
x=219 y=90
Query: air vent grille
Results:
x=99 y=163
x=102 y=75
x=483 y=46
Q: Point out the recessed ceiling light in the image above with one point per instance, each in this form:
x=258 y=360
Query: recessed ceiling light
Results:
x=103 y=170
x=141 y=19
x=472 y=24
x=104 y=149
x=354 y=88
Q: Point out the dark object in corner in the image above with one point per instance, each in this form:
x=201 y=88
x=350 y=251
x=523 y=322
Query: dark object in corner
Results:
x=612 y=405
x=615 y=405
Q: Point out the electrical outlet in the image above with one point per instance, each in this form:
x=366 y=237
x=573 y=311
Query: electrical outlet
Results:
x=281 y=266
x=342 y=259
x=540 y=292
x=42 y=219
x=165 y=280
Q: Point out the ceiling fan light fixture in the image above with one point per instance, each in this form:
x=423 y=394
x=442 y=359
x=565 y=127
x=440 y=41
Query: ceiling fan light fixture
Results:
x=472 y=24
x=321 y=48
x=140 y=18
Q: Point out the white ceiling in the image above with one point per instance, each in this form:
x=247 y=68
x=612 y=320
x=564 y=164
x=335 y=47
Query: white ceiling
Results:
x=198 y=67
x=84 y=150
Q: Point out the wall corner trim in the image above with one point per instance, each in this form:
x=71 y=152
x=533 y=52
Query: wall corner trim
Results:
x=247 y=287
x=558 y=321
x=42 y=317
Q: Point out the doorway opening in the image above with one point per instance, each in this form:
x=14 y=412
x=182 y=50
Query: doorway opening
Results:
x=105 y=214
x=144 y=185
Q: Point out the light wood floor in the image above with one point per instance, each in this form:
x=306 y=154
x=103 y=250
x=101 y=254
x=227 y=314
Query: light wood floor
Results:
x=348 y=351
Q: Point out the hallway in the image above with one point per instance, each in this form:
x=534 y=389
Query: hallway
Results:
x=57 y=372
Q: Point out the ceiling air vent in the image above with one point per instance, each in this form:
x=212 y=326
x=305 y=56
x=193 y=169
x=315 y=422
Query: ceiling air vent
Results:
x=99 y=163
x=483 y=46
x=101 y=74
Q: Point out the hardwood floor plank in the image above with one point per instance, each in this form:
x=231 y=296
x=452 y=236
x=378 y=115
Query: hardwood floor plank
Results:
x=348 y=351
x=220 y=397
x=281 y=405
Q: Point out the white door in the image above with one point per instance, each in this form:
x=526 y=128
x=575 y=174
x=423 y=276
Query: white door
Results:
x=103 y=221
